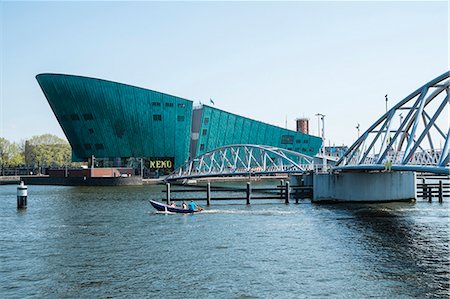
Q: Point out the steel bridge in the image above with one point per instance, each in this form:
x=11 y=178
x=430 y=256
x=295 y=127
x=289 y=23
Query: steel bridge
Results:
x=412 y=136
x=243 y=160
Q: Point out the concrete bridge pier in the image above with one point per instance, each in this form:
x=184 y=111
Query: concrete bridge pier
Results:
x=364 y=187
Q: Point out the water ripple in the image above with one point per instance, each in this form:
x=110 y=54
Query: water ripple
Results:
x=109 y=242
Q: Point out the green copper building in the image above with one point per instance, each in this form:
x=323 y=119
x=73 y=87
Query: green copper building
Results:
x=119 y=124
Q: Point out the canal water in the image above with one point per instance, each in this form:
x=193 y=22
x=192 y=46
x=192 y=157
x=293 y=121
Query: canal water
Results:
x=86 y=242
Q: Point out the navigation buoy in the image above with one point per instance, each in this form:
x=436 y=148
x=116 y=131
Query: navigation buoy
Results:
x=22 y=194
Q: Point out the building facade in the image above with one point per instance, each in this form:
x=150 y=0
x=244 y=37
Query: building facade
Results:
x=114 y=124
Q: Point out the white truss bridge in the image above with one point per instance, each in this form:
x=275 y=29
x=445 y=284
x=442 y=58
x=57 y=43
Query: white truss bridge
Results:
x=242 y=160
x=412 y=136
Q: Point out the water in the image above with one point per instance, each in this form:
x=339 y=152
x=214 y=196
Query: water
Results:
x=108 y=242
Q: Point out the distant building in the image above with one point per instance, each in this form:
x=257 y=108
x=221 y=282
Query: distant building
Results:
x=118 y=125
x=335 y=151
x=302 y=125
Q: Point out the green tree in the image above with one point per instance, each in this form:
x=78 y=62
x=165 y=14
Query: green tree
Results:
x=47 y=150
x=16 y=155
x=10 y=154
x=4 y=149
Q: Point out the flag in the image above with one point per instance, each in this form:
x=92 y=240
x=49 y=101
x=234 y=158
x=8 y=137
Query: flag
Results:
x=211 y=101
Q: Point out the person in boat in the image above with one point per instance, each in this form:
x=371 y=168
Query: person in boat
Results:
x=173 y=204
x=192 y=206
x=184 y=205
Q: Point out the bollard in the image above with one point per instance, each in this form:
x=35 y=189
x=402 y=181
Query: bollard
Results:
x=441 y=196
x=249 y=192
x=208 y=194
x=22 y=194
x=281 y=189
x=286 y=198
x=168 y=193
x=424 y=189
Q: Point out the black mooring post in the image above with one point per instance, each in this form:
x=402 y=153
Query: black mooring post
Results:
x=168 y=193
x=281 y=189
x=22 y=194
x=286 y=195
x=249 y=193
x=424 y=189
x=441 y=197
x=429 y=194
x=208 y=194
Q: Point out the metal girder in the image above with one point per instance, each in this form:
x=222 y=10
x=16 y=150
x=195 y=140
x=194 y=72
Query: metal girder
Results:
x=243 y=159
x=419 y=140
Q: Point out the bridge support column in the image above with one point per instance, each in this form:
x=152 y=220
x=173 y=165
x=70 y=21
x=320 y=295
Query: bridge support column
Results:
x=365 y=187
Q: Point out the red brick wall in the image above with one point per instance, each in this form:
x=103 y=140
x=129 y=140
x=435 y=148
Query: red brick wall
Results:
x=96 y=172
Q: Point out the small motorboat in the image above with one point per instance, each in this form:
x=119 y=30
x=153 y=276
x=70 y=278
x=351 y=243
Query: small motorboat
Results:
x=166 y=208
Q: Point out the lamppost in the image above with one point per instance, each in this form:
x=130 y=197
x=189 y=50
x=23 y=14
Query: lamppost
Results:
x=322 y=117
x=386 y=96
x=357 y=128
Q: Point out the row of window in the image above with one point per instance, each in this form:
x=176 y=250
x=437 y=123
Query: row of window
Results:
x=168 y=104
x=283 y=141
x=158 y=117
x=300 y=141
x=89 y=116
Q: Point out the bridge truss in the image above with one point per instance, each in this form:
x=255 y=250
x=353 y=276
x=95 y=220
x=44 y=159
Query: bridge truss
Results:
x=412 y=135
x=243 y=159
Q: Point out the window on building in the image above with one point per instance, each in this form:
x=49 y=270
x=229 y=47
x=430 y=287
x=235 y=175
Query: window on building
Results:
x=206 y=120
x=180 y=117
x=91 y=130
x=87 y=146
x=157 y=117
x=306 y=141
x=66 y=117
x=287 y=139
x=204 y=132
x=156 y=104
x=298 y=141
x=202 y=147
x=181 y=105
x=74 y=117
x=99 y=146
x=88 y=116
x=169 y=104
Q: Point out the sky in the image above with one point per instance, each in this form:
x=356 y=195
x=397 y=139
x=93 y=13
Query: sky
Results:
x=270 y=61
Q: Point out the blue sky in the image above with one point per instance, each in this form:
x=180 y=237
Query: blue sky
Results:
x=265 y=60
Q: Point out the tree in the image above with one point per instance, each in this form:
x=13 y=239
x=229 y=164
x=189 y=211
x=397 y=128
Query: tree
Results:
x=16 y=157
x=10 y=154
x=47 y=150
x=4 y=149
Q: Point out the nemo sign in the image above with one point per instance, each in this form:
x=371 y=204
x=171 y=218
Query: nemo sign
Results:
x=160 y=163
